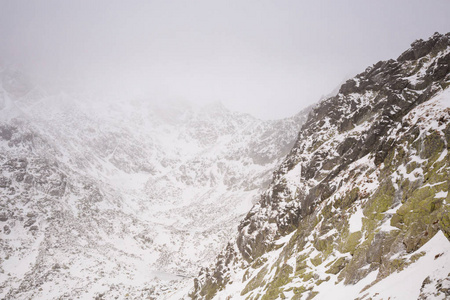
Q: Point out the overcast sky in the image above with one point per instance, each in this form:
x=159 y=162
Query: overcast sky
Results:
x=267 y=58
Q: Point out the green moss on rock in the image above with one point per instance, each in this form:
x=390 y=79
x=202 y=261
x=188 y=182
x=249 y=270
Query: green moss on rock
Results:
x=433 y=144
x=337 y=266
x=381 y=201
x=255 y=282
x=260 y=261
x=312 y=294
x=350 y=243
x=275 y=288
x=317 y=260
x=307 y=276
x=348 y=200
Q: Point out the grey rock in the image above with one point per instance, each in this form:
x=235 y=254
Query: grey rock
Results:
x=34 y=228
x=5 y=182
x=3 y=217
x=29 y=222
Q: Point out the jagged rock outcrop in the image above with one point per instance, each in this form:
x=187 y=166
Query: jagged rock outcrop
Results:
x=363 y=189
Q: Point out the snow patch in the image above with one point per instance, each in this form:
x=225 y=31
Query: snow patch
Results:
x=355 y=220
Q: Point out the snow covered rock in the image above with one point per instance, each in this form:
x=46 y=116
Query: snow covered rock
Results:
x=104 y=198
x=363 y=189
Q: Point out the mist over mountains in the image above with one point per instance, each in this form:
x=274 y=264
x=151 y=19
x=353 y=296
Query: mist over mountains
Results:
x=114 y=196
x=111 y=197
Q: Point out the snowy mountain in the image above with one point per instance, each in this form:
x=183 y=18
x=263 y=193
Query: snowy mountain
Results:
x=359 y=208
x=105 y=198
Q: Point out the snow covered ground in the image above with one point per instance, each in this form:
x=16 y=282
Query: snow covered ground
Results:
x=127 y=197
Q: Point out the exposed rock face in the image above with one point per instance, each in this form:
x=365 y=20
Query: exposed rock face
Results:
x=364 y=187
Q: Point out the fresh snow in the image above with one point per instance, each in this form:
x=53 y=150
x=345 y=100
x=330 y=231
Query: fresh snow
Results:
x=441 y=194
x=400 y=285
x=355 y=220
x=152 y=190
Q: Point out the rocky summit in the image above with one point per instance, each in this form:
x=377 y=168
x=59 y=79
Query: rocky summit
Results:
x=359 y=208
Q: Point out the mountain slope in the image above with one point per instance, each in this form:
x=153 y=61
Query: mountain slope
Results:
x=104 y=198
x=363 y=189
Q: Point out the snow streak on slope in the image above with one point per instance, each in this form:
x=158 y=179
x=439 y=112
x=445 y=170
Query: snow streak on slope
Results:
x=113 y=198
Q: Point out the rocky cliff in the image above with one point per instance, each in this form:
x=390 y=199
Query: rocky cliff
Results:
x=360 y=205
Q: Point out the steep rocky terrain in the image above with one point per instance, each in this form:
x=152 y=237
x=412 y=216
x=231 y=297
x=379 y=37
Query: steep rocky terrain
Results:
x=359 y=209
x=108 y=198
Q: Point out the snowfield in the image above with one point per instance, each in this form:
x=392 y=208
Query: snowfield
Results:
x=105 y=197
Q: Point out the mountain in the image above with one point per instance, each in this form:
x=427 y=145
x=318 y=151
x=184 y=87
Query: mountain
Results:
x=107 y=198
x=359 y=208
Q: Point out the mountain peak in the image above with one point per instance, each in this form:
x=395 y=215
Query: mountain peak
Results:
x=420 y=48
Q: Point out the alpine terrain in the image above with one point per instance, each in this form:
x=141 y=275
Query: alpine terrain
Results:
x=359 y=208
x=113 y=199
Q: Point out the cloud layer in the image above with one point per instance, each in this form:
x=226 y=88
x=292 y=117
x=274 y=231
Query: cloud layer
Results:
x=268 y=58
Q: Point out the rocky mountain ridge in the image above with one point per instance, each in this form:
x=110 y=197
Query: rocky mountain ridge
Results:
x=361 y=197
